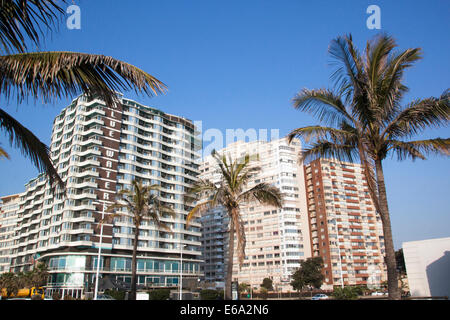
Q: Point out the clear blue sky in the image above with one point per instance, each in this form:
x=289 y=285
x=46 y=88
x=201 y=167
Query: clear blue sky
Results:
x=238 y=64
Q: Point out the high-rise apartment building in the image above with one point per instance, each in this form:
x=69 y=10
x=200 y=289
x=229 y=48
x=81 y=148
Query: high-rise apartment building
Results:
x=214 y=241
x=9 y=206
x=276 y=239
x=98 y=151
x=345 y=229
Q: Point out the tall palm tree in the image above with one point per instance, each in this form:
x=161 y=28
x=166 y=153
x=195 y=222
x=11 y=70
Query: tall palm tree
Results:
x=141 y=203
x=365 y=120
x=53 y=75
x=230 y=193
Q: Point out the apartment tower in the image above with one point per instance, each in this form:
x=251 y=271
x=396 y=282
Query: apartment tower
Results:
x=345 y=228
x=276 y=239
x=9 y=206
x=98 y=150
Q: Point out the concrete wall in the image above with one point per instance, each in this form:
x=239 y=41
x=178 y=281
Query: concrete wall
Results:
x=428 y=267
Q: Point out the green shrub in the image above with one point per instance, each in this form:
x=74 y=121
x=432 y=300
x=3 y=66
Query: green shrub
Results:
x=159 y=294
x=116 y=294
x=264 y=293
x=346 y=293
x=267 y=283
x=209 y=294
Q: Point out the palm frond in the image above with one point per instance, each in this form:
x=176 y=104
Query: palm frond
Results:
x=140 y=204
x=200 y=208
x=246 y=168
x=327 y=149
x=322 y=104
x=263 y=193
x=391 y=89
x=115 y=206
x=50 y=75
x=26 y=19
x=30 y=146
x=419 y=115
x=3 y=153
x=377 y=55
x=318 y=132
x=349 y=66
x=225 y=167
x=420 y=148
x=156 y=209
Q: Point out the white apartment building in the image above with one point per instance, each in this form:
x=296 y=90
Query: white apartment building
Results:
x=277 y=239
x=428 y=267
x=9 y=206
x=99 y=150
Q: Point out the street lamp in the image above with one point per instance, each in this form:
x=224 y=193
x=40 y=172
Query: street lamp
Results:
x=99 y=251
x=251 y=280
x=181 y=269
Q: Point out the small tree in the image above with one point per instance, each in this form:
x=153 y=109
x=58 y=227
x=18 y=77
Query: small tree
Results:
x=298 y=282
x=267 y=283
x=346 y=293
x=264 y=293
x=243 y=287
x=309 y=274
x=10 y=283
x=361 y=290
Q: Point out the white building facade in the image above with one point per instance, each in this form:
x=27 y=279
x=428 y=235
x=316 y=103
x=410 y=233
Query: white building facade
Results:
x=99 y=150
x=276 y=239
x=428 y=267
x=9 y=207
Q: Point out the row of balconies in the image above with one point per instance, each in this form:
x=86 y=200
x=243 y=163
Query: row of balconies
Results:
x=163 y=168
x=153 y=121
x=149 y=148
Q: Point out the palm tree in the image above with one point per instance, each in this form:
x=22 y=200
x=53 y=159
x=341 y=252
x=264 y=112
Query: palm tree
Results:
x=37 y=277
x=231 y=192
x=10 y=284
x=141 y=203
x=53 y=75
x=365 y=120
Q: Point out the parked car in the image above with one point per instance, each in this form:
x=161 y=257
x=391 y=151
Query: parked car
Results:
x=320 y=296
x=378 y=293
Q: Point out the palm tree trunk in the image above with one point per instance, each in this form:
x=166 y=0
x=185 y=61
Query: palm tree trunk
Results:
x=133 y=265
x=393 y=289
x=229 y=276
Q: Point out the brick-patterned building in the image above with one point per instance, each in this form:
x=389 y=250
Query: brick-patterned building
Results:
x=345 y=229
